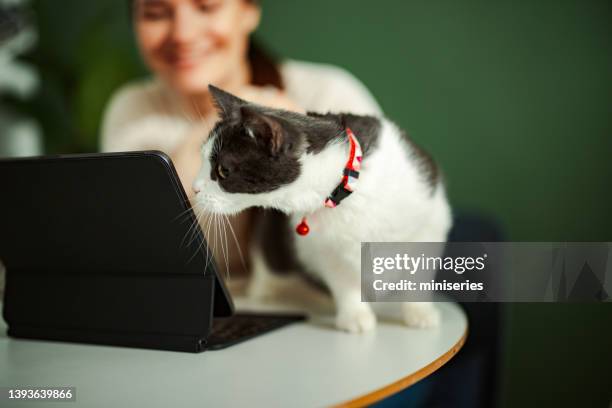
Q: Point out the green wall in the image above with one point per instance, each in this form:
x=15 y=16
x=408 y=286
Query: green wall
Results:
x=513 y=98
x=515 y=101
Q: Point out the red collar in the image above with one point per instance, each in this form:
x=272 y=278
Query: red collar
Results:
x=350 y=175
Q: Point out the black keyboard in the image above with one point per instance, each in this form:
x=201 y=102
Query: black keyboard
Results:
x=243 y=326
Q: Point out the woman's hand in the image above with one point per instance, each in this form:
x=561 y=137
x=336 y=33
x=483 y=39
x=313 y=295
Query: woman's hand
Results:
x=186 y=157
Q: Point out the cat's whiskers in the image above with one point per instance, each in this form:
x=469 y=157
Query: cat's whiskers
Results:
x=187 y=210
x=202 y=220
x=211 y=245
x=229 y=224
x=192 y=230
x=219 y=240
x=217 y=234
x=213 y=235
x=195 y=228
x=227 y=270
x=195 y=236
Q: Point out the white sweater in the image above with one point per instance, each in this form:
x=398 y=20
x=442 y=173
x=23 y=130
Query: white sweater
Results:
x=145 y=116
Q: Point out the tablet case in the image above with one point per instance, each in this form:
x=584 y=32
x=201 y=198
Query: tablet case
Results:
x=102 y=248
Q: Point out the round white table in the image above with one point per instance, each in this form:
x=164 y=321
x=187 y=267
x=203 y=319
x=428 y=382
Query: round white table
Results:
x=306 y=364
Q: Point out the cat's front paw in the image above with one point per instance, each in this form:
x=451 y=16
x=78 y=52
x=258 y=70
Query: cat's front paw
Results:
x=357 y=319
x=422 y=315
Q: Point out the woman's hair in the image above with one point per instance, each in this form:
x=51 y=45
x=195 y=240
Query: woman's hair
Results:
x=264 y=69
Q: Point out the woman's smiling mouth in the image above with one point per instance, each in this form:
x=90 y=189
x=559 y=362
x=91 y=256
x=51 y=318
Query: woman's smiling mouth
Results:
x=187 y=59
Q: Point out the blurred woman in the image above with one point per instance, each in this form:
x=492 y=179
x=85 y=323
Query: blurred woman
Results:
x=189 y=44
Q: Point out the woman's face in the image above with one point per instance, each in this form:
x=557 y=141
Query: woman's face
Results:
x=192 y=43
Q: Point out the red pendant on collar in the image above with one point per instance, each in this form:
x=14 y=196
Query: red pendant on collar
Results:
x=350 y=175
x=303 y=228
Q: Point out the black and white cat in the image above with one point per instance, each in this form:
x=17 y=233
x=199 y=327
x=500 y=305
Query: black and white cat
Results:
x=262 y=157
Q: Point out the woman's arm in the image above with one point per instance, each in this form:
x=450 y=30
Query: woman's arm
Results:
x=140 y=117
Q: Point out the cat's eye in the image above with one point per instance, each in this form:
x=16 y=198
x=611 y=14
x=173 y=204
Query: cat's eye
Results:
x=222 y=172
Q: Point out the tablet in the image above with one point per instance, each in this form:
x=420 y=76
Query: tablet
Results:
x=105 y=248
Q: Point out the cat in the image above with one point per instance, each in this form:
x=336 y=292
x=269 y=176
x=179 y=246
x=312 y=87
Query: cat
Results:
x=257 y=156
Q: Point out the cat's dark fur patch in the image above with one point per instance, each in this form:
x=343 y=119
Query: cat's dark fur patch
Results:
x=426 y=164
x=365 y=128
x=258 y=148
x=249 y=168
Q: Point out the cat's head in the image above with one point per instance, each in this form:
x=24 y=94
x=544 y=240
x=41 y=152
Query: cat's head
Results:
x=252 y=153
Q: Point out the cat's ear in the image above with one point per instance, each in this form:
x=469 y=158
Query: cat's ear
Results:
x=227 y=104
x=265 y=128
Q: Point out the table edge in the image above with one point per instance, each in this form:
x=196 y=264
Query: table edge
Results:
x=405 y=382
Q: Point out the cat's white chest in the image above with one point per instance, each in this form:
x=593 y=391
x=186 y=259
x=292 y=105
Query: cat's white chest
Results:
x=331 y=244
